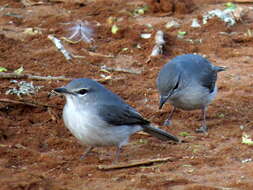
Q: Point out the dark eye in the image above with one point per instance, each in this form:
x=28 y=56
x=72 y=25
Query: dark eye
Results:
x=177 y=84
x=82 y=91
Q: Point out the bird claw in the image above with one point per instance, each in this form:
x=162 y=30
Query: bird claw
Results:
x=202 y=129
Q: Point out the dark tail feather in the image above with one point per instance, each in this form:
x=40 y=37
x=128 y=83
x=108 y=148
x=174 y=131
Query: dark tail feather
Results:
x=159 y=133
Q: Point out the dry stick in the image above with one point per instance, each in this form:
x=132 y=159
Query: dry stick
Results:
x=28 y=3
x=97 y=54
x=60 y=47
x=135 y=164
x=29 y=76
x=124 y=70
x=35 y=77
x=242 y=1
x=159 y=43
x=23 y=102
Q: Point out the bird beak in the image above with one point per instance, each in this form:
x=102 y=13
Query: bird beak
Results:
x=62 y=90
x=163 y=99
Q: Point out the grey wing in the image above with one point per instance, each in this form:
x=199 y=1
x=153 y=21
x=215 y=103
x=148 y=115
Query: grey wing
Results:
x=120 y=115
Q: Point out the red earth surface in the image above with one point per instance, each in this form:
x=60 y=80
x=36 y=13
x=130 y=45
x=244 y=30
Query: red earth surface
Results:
x=38 y=153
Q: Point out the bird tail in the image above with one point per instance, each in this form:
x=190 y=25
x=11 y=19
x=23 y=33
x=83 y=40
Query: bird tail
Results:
x=159 y=133
x=219 y=69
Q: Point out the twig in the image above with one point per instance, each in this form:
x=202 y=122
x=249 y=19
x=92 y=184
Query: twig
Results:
x=242 y=1
x=28 y=3
x=35 y=77
x=23 y=102
x=135 y=164
x=124 y=70
x=70 y=41
x=159 y=43
x=60 y=47
x=29 y=76
x=97 y=54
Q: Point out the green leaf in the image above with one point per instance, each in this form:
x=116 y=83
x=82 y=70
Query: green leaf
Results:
x=246 y=139
x=184 y=134
x=124 y=49
x=19 y=70
x=2 y=69
x=181 y=34
x=114 y=29
x=140 y=10
x=230 y=5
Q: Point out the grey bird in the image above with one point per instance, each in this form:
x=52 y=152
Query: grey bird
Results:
x=188 y=82
x=98 y=117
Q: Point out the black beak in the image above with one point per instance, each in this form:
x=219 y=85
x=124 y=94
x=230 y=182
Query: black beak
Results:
x=163 y=99
x=62 y=90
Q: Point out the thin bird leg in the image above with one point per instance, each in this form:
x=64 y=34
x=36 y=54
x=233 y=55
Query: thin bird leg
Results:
x=87 y=151
x=117 y=155
x=168 y=121
x=203 y=128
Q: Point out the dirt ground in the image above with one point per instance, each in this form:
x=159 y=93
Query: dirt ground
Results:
x=38 y=153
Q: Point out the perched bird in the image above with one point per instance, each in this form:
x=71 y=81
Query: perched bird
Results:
x=98 y=117
x=188 y=82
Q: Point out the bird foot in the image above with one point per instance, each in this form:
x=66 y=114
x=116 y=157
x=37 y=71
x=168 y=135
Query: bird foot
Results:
x=202 y=129
x=83 y=156
x=88 y=151
x=167 y=122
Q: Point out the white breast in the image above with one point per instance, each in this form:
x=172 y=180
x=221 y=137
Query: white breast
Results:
x=89 y=129
x=193 y=98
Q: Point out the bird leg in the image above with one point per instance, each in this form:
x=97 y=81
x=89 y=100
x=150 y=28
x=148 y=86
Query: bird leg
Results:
x=117 y=155
x=168 y=122
x=203 y=128
x=87 y=151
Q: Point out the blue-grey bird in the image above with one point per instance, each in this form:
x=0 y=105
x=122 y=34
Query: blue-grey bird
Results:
x=98 y=117
x=188 y=82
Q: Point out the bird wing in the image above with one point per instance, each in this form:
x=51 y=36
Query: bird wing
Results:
x=120 y=115
x=200 y=69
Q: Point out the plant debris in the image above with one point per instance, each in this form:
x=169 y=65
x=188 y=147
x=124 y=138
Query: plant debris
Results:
x=124 y=70
x=172 y=24
x=181 y=34
x=140 y=10
x=229 y=15
x=195 y=23
x=3 y=69
x=19 y=70
x=114 y=29
x=246 y=139
x=135 y=164
x=146 y=35
x=159 y=43
x=60 y=47
x=24 y=88
x=32 y=31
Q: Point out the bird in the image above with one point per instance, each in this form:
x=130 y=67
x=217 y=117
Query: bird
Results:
x=98 y=117
x=188 y=82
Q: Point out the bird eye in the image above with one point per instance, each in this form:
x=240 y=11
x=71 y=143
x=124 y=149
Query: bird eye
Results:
x=176 y=86
x=82 y=91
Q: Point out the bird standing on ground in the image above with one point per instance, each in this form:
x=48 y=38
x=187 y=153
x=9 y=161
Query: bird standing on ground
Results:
x=188 y=82
x=98 y=117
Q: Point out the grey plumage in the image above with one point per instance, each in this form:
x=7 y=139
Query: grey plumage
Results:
x=188 y=82
x=98 y=117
